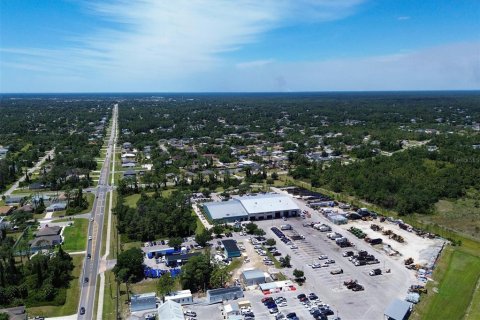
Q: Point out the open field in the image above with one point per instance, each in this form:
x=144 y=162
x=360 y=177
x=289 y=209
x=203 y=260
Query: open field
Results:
x=73 y=294
x=459 y=272
x=76 y=235
x=462 y=214
x=110 y=296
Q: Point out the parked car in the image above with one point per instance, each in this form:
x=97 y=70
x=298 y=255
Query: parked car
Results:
x=189 y=313
x=337 y=271
x=375 y=272
x=322 y=257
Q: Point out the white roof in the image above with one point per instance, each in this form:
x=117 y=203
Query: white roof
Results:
x=170 y=310
x=179 y=295
x=267 y=203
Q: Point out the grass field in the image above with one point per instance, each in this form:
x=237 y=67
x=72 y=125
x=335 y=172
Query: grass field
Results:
x=459 y=272
x=200 y=227
x=473 y=312
x=462 y=214
x=76 y=235
x=71 y=302
x=109 y=296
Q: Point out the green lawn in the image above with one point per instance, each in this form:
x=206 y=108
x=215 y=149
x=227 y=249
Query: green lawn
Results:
x=200 y=227
x=474 y=309
x=110 y=294
x=131 y=200
x=235 y=264
x=90 y=198
x=71 y=302
x=76 y=235
x=459 y=273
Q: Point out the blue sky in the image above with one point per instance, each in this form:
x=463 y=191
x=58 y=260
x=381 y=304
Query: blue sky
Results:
x=250 y=45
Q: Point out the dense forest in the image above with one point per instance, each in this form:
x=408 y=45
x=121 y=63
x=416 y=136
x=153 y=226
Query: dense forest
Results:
x=156 y=217
x=40 y=280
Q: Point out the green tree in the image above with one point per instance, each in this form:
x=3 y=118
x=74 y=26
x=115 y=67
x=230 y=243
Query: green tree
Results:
x=270 y=242
x=218 y=277
x=218 y=230
x=203 y=237
x=129 y=264
x=285 y=261
x=251 y=228
x=165 y=285
x=298 y=274
x=175 y=242
x=196 y=273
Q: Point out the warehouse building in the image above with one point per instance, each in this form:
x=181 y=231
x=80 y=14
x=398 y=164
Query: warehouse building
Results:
x=140 y=302
x=252 y=208
x=253 y=277
x=231 y=249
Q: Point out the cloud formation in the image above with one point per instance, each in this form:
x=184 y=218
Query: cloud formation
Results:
x=160 y=45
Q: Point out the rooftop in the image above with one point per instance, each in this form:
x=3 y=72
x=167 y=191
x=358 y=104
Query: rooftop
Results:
x=230 y=245
x=170 y=310
x=253 y=274
x=220 y=291
x=267 y=203
x=398 y=309
x=225 y=209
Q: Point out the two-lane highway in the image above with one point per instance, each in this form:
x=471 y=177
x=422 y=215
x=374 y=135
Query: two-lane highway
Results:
x=95 y=229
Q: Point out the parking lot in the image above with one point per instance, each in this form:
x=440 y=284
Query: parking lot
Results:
x=378 y=291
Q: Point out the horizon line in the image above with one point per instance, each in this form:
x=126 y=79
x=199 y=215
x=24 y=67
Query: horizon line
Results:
x=238 y=92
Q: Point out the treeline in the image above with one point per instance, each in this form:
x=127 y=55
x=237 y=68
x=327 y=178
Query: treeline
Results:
x=30 y=126
x=41 y=280
x=409 y=181
x=156 y=217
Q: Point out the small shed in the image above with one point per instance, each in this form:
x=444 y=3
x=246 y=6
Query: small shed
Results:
x=231 y=248
x=398 y=310
x=140 y=302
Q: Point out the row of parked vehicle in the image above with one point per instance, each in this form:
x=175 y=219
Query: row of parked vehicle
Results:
x=315 y=306
x=362 y=258
x=281 y=235
x=353 y=285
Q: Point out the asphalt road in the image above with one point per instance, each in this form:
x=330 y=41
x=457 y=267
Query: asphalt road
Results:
x=95 y=229
x=36 y=167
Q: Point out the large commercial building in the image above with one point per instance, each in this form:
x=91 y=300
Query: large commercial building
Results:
x=251 y=208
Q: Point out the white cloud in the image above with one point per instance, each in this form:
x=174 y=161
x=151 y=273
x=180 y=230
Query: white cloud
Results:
x=160 y=40
x=448 y=67
x=254 y=63
x=178 y=46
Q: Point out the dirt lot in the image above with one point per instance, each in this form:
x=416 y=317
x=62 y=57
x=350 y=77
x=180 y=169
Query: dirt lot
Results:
x=419 y=248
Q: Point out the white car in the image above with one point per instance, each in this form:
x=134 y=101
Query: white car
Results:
x=316 y=265
x=322 y=257
x=91 y=219
x=294 y=247
x=89 y=237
